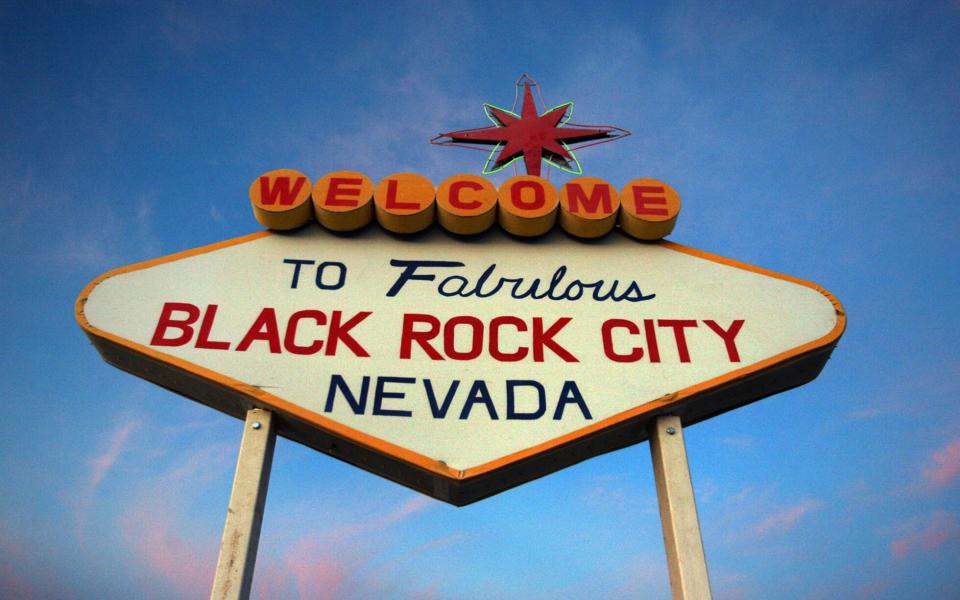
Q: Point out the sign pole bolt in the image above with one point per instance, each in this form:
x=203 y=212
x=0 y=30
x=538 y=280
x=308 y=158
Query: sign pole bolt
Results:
x=256 y=425
x=670 y=430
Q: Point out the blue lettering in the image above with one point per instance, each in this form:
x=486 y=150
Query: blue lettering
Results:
x=358 y=405
x=297 y=263
x=440 y=412
x=478 y=393
x=512 y=413
x=381 y=394
x=342 y=269
x=570 y=394
x=409 y=272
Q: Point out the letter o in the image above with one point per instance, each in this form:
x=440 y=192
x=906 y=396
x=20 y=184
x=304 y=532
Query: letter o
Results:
x=528 y=205
x=342 y=268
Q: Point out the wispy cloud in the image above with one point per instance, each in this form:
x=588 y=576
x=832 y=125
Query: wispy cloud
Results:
x=188 y=27
x=739 y=441
x=786 y=518
x=153 y=532
x=114 y=444
x=12 y=557
x=943 y=466
x=613 y=491
x=334 y=562
x=936 y=530
x=158 y=531
x=117 y=441
x=756 y=514
x=216 y=215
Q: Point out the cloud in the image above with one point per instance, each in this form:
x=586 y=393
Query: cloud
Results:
x=102 y=464
x=941 y=527
x=216 y=215
x=739 y=441
x=115 y=443
x=944 y=466
x=159 y=532
x=12 y=558
x=153 y=533
x=25 y=568
x=786 y=518
x=53 y=223
x=335 y=562
x=756 y=514
x=188 y=27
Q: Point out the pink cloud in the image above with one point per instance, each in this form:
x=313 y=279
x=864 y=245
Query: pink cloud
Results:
x=159 y=533
x=331 y=563
x=404 y=511
x=942 y=527
x=320 y=570
x=184 y=561
x=12 y=557
x=944 y=466
x=786 y=518
x=102 y=464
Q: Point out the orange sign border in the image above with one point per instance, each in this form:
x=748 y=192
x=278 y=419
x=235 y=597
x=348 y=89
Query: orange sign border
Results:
x=736 y=388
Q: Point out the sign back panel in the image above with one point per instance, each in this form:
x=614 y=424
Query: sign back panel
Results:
x=461 y=367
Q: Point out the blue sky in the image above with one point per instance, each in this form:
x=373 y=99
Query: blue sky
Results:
x=814 y=139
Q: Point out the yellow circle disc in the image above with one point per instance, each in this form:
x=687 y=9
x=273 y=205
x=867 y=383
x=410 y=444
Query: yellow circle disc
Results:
x=528 y=205
x=466 y=204
x=404 y=202
x=648 y=209
x=342 y=200
x=588 y=207
x=280 y=199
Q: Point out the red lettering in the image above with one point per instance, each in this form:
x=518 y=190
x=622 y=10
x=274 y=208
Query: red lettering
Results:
x=455 y=200
x=495 y=324
x=642 y=201
x=679 y=325
x=543 y=338
x=339 y=194
x=166 y=321
x=476 y=337
x=281 y=189
x=264 y=329
x=203 y=338
x=408 y=335
x=391 y=200
x=606 y=330
x=539 y=194
x=340 y=332
x=576 y=197
x=728 y=336
x=290 y=335
x=653 y=348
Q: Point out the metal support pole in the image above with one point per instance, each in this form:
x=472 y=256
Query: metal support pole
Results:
x=678 y=511
x=241 y=533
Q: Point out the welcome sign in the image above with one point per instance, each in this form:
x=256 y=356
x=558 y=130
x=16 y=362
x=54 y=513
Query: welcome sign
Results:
x=461 y=367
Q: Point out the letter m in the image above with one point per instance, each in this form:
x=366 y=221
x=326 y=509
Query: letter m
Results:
x=280 y=190
x=599 y=195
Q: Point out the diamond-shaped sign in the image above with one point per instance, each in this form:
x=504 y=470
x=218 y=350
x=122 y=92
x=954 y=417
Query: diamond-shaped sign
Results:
x=459 y=367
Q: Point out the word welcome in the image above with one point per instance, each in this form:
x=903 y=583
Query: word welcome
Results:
x=464 y=204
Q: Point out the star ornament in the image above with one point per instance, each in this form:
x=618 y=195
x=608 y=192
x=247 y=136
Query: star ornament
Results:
x=531 y=136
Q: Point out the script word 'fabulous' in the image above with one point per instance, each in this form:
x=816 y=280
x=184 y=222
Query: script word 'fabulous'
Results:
x=464 y=204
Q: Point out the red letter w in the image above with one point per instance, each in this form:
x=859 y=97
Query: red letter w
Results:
x=281 y=188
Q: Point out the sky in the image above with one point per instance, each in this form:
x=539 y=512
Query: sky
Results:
x=821 y=140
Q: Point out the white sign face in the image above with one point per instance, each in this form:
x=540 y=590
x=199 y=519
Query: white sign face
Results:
x=455 y=357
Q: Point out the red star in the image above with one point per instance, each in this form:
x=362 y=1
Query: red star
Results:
x=532 y=136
